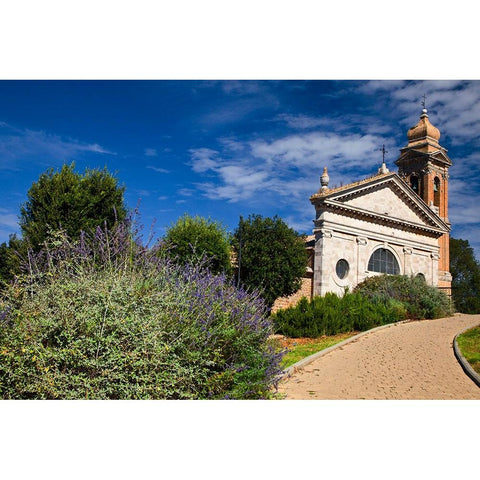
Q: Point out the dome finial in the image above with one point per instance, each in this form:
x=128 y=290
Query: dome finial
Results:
x=324 y=179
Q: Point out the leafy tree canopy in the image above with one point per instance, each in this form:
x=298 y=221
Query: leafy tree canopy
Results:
x=465 y=271
x=192 y=238
x=271 y=255
x=70 y=201
x=10 y=254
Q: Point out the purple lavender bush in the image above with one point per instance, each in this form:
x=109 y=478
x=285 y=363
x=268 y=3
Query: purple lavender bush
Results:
x=107 y=318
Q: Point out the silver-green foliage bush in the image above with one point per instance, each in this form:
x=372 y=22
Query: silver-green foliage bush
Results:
x=105 y=318
x=421 y=301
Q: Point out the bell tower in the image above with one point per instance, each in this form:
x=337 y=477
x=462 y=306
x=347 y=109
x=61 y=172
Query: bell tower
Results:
x=424 y=165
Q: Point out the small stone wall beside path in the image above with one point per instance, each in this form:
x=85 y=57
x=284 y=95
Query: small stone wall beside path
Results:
x=413 y=360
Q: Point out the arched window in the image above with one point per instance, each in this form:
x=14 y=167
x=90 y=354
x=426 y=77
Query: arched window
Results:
x=414 y=183
x=383 y=261
x=436 y=192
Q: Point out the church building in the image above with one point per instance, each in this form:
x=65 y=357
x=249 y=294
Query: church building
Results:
x=389 y=223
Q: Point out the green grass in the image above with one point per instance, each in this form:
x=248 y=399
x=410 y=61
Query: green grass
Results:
x=469 y=344
x=298 y=352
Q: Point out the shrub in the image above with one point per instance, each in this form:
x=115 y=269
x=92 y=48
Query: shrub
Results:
x=106 y=318
x=331 y=314
x=419 y=299
x=194 y=239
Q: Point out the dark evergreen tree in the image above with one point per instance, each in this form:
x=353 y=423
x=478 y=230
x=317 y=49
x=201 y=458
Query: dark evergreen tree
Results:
x=10 y=254
x=271 y=255
x=465 y=271
x=72 y=202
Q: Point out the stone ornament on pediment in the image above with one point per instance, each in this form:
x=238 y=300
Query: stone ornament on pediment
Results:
x=324 y=233
x=435 y=256
x=362 y=241
x=407 y=251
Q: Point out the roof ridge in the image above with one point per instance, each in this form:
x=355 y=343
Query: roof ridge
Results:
x=352 y=184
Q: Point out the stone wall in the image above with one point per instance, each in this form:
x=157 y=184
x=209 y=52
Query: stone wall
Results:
x=304 y=291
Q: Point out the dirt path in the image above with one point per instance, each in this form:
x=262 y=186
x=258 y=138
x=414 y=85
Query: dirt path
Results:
x=413 y=360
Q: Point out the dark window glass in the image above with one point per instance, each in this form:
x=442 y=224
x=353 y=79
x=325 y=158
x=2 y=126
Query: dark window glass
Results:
x=436 y=192
x=383 y=261
x=342 y=268
x=414 y=183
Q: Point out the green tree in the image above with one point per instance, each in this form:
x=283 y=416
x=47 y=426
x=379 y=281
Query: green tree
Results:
x=10 y=254
x=70 y=201
x=192 y=238
x=465 y=271
x=271 y=255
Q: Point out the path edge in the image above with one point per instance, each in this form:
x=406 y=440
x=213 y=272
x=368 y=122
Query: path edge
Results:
x=305 y=361
x=467 y=368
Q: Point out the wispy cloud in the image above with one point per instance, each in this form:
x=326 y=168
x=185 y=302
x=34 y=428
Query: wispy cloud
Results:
x=150 y=152
x=158 y=169
x=283 y=169
x=300 y=121
x=453 y=105
x=8 y=223
x=143 y=192
x=186 y=192
x=18 y=144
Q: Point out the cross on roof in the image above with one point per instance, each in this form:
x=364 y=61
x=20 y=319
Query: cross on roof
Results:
x=424 y=103
x=383 y=152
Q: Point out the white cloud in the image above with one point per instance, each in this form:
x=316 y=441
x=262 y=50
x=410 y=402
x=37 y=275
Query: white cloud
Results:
x=302 y=121
x=158 y=169
x=8 y=219
x=453 y=105
x=203 y=159
x=17 y=144
x=285 y=169
x=143 y=192
x=186 y=192
x=8 y=224
x=319 y=148
x=150 y=152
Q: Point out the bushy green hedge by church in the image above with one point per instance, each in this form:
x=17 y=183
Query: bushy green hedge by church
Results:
x=105 y=318
x=376 y=301
x=420 y=300
x=331 y=314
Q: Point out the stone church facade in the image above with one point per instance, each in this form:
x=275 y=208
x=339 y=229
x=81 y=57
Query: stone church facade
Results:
x=394 y=223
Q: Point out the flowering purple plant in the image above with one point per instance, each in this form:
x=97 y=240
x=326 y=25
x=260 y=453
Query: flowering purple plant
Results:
x=109 y=317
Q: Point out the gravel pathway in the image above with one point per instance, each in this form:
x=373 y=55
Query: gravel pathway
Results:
x=413 y=360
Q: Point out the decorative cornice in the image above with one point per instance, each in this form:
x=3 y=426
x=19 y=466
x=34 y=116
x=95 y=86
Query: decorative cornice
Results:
x=335 y=198
x=384 y=219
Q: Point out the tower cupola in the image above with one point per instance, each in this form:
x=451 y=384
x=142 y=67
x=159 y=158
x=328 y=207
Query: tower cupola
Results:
x=423 y=133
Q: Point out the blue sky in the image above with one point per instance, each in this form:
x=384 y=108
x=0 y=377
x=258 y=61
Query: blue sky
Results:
x=221 y=149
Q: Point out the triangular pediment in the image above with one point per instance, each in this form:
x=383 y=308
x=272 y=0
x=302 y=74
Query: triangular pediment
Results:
x=412 y=155
x=386 y=199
